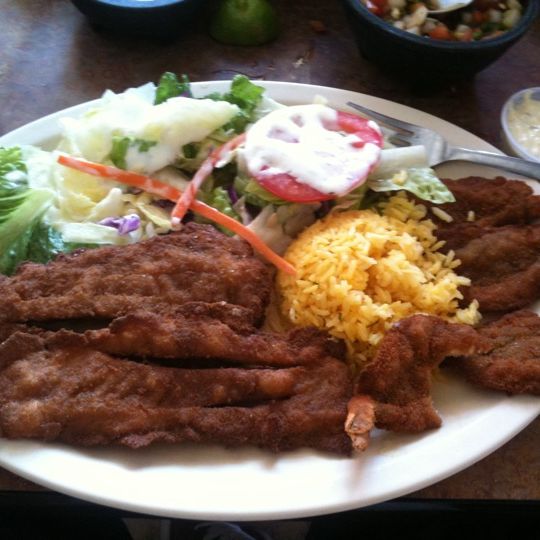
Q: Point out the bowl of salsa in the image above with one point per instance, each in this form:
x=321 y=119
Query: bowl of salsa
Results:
x=405 y=37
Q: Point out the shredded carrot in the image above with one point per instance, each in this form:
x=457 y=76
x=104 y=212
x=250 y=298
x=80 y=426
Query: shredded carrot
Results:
x=156 y=187
x=184 y=203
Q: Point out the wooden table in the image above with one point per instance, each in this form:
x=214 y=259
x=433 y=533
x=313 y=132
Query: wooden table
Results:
x=51 y=59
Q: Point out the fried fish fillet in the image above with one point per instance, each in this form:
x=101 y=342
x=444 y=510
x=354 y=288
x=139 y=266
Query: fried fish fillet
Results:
x=483 y=203
x=56 y=388
x=512 y=363
x=210 y=331
x=398 y=379
x=195 y=331
x=197 y=263
x=504 y=267
x=494 y=236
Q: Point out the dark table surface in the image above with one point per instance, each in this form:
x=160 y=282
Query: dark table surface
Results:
x=50 y=58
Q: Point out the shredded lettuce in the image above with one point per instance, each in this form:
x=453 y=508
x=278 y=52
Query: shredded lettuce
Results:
x=246 y=96
x=193 y=154
x=23 y=235
x=254 y=193
x=169 y=86
x=93 y=234
x=190 y=150
x=121 y=145
x=163 y=132
x=140 y=136
x=220 y=200
x=40 y=243
x=277 y=227
x=358 y=199
x=422 y=182
x=12 y=171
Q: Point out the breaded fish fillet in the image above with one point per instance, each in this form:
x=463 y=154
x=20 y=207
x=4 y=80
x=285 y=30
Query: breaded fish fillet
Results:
x=212 y=331
x=197 y=263
x=512 y=363
x=504 y=267
x=493 y=234
x=484 y=203
x=398 y=379
x=56 y=388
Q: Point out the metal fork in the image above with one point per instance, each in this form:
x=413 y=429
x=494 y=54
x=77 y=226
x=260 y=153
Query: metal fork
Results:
x=439 y=150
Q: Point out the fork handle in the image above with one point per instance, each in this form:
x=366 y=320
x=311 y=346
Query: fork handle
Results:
x=530 y=169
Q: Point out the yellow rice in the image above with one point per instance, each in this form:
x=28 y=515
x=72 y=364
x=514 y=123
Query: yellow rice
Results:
x=359 y=271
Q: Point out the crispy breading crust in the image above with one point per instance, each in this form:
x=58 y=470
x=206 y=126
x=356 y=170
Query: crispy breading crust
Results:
x=493 y=234
x=512 y=363
x=504 y=268
x=217 y=331
x=197 y=263
x=398 y=379
x=493 y=203
x=55 y=387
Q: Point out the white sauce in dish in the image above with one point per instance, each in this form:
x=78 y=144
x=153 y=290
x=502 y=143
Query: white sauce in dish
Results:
x=295 y=141
x=524 y=123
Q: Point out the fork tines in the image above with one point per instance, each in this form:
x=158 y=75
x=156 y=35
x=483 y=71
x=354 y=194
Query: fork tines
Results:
x=394 y=123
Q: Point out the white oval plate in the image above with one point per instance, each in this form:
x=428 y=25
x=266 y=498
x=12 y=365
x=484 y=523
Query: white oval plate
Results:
x=218 y=484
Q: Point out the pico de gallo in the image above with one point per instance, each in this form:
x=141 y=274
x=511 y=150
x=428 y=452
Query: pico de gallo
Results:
x=483 y=19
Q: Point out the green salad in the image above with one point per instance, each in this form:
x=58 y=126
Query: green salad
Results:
x=166 y=135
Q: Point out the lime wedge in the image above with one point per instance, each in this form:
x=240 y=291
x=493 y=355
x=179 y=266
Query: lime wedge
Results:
x=244 y=22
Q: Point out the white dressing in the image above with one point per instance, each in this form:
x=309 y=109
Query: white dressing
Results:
x=524 y=122
x=295 y=141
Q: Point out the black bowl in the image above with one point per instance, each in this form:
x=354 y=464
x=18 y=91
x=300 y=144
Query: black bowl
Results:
x=155 y=18
x=417 y=57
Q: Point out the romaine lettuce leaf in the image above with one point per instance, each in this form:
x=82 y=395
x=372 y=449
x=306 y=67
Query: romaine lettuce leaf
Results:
x=422 y=182
x=16 y=227
x=20 y=207
x=12 y=171
x=39 y=243
x=23 y=235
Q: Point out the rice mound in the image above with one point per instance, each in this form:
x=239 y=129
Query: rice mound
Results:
x=359 y=271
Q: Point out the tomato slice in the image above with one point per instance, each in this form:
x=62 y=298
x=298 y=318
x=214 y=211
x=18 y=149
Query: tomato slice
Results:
x=287 y=187
x=361 y=127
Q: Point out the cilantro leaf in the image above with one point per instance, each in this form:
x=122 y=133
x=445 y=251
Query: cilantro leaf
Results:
x=246 y=96
x=169 y=86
